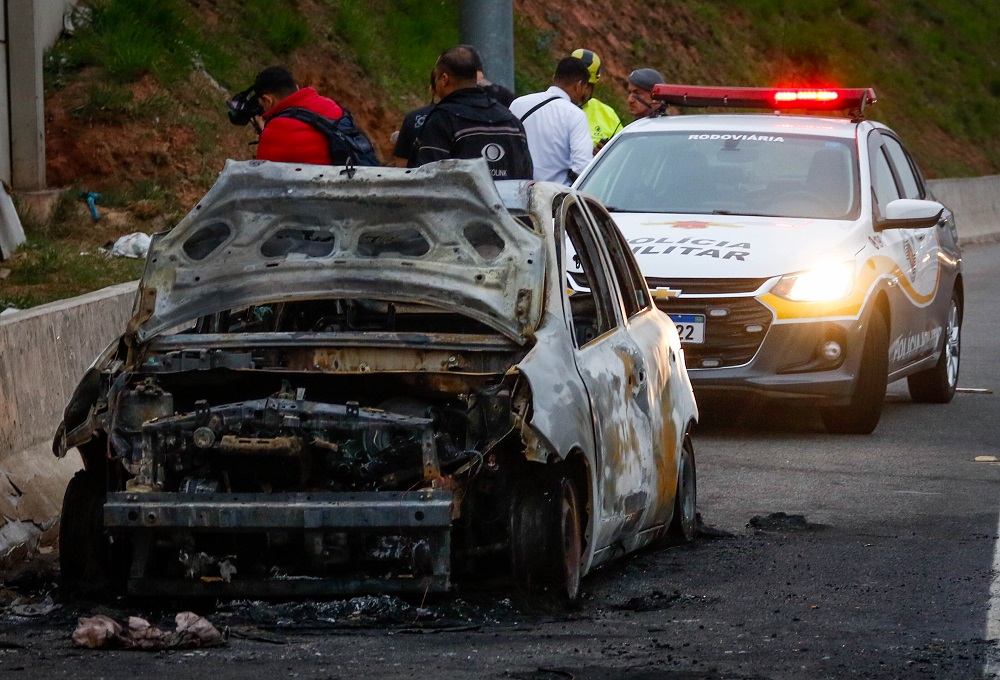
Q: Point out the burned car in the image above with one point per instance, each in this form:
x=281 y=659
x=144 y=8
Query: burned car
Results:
x=377 y=380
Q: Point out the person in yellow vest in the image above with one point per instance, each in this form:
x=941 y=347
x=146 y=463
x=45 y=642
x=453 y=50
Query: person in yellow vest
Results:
x=603 y=121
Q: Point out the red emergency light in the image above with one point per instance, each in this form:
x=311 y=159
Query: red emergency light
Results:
x=814 y=99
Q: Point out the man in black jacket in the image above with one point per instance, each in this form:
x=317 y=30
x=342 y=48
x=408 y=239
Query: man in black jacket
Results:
x=468 y=123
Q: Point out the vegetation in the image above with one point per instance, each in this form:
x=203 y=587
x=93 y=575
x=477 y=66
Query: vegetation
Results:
x=135 y=99
x=394 y=64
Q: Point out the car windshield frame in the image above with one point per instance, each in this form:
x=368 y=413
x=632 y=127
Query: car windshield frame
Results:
x=729 y=173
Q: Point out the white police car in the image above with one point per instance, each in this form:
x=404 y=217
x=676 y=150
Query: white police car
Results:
x=799 y=255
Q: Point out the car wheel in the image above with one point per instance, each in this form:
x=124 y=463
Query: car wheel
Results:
x=83 y=548
x=546 y=540
x=862 y=413
x=684 y=525
x=937 y=385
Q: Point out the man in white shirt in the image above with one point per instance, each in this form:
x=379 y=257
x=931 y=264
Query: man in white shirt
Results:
x=558 y=132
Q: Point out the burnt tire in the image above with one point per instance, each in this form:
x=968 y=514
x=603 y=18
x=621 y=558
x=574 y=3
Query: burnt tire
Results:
x=546 y=540
x=862 y=413
x=684 y=523
x=84 y=556
x=937 y=385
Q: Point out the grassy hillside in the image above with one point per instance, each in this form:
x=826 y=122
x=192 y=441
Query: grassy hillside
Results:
x=135 y=99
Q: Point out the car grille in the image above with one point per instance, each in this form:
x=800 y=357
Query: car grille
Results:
x=728 y=342
x=708 y=286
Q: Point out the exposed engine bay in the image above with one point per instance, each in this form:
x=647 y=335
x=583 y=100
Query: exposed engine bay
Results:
x=286 y=442
x=239 y=462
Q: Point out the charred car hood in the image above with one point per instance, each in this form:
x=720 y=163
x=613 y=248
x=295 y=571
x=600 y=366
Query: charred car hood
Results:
x=734 y=246
x=272 y=232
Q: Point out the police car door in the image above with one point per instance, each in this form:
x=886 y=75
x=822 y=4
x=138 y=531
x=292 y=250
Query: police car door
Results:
x=612 y=369
x=914 y=252
x=930 y=281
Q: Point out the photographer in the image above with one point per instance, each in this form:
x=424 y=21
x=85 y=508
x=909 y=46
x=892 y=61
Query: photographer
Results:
x=300 y=126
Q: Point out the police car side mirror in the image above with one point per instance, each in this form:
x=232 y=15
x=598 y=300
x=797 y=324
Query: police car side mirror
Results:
x=910 y=213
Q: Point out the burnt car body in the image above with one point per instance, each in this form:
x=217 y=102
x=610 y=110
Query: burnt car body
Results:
x=376 y=380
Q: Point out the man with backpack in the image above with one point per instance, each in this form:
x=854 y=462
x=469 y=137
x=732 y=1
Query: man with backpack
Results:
x=468 y=123
x=300 y=126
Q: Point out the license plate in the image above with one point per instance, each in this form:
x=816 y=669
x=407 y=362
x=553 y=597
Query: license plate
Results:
x=690 y=327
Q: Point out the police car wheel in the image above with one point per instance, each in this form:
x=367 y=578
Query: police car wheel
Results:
x=862 y=414
x=937 y=385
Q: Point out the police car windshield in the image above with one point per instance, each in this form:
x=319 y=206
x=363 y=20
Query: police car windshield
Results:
x=740 y=173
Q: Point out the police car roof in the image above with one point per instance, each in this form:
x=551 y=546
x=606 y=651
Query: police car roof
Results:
x=769 y=124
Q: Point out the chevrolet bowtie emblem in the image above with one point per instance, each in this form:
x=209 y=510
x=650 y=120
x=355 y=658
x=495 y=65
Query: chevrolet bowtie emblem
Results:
x=660 y=293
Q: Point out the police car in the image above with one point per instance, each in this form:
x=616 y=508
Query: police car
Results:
x=799 y=255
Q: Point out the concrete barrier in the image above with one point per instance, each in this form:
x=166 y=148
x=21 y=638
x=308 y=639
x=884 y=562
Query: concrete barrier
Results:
x=976 y=204
x=43 y=354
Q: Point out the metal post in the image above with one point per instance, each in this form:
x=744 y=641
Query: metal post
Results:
x=4 y=98
x=488 y=25
x=27 y=96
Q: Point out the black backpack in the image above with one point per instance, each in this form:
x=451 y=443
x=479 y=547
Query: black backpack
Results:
x=348 y=144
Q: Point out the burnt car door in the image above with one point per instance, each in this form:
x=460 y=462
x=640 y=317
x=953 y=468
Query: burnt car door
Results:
x=654 y=414
x=614 y=373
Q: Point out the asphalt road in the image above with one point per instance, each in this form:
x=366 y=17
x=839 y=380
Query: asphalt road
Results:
x=880 y=567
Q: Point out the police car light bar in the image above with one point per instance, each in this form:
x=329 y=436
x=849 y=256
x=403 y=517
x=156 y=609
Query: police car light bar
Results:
x=775 y=98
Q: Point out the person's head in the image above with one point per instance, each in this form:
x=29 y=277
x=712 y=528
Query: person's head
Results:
x=272 y=85
x=455 y=69
x=640 y=86
x=478 y=59
x=573 y=77
x=593 y=63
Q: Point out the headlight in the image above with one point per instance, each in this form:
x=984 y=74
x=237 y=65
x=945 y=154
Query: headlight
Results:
x=821 y=284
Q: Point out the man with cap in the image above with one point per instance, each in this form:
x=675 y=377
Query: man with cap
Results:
x=558 y=134
x=640 y=87
x=603 y=120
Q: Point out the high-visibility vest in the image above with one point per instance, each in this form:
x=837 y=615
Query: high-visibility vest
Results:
x=604 y=122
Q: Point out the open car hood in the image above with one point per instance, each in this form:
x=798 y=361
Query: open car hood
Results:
x=274 y=232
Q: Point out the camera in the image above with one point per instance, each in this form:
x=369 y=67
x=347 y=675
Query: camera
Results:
x=243 y=107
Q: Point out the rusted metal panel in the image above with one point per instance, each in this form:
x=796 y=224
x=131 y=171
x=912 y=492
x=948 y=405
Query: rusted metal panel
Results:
x=385 y=510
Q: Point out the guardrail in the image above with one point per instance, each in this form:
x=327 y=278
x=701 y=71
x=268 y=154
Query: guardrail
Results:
x=43 y=353
x=976 y=203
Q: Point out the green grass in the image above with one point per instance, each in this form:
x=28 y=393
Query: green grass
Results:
x=276 y=24
x=535 y=60
x=146 y=189
x=423 y=28
x=131 y=38
x=31 y=281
